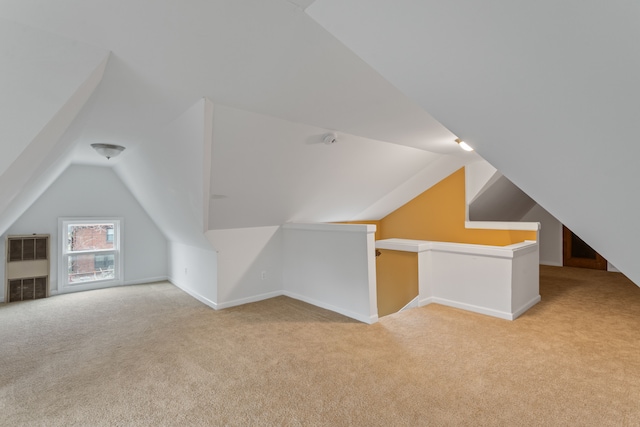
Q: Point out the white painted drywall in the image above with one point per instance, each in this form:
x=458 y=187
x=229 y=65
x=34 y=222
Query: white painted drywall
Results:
x=39 y=72
x=171 y=53
x=484 y=282
x=89 y=191
x=165 y=174
x=427 y=177
x=194 y=270
x=332 y=266
x=34 y=151
x=498 y=281
x=525 y=279
x=483 y=178
x=546 y=91
x=478 y=175
x=550 y=235
x=500 y=286
x=267 y=171
x=500 y=201
x=249 y=264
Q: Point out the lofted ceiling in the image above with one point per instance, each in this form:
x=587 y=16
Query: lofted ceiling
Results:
x=262 y=56
x=265 y=59
x=546 y=91
x=275 y=171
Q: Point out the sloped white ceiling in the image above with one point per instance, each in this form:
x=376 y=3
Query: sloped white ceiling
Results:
x=40 y=73
x=268 y=171
x=501 y=201
x=165 y=174
x=546 y=91
x=264 y=57
x=491 y=196
x=45 y=82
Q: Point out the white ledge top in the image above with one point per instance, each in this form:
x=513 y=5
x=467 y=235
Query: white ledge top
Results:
x=323 y=226
x=502 y=225
x=408 y=245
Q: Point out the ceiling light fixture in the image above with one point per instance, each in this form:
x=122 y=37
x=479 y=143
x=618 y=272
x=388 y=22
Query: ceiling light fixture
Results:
x=330 y=138
x=463 y=145
x=108 y=150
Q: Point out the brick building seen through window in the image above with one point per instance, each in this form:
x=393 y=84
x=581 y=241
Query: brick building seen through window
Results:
x=91 y=266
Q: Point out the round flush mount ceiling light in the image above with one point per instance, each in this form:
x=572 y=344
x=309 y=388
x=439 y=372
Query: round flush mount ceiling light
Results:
x=463 y=145
x=108 y=150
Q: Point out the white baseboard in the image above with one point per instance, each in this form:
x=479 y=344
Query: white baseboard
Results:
x=482 y=310
x=146 y=281
x=526 y=306
x=218 y=306
x=468 y=307
x=357 y=316
x=412 y=304
x=260 y=297
x=425 y=301
x=247 y=300
x=204 y=300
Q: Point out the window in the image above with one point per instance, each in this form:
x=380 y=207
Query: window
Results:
x=90 y=253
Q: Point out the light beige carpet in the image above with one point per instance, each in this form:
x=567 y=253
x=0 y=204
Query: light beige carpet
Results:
x=151 y=355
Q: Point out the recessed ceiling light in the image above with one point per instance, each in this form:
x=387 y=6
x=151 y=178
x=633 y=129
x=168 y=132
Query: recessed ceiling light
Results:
x=463 y=145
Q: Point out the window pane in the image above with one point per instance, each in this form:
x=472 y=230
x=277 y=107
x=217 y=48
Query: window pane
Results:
x=89 y=237
x=91 y=267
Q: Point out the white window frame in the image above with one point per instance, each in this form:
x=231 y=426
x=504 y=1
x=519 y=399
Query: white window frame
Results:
x=63 y=254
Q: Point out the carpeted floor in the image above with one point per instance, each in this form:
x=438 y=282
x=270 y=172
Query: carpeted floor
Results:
x=151 y=355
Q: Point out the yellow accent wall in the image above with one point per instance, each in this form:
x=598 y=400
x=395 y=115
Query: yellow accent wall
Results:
x=397 y=280
x=439 y=215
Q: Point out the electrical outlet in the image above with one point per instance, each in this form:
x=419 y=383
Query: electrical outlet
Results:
x=263 y=275
x=185 y=271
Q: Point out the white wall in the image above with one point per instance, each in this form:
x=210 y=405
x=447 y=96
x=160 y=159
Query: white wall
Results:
x=502 y=285
x=554 y=110
x=500 y=281
x=89 y=191
x=194 y=270
x=44 y=87
x=249 y=264
x=166 y=175
x=267 y=171
x=492 y=197
x=550 y=235
x=505 y=202
x=429 y=176
x=478 y=176
x=40 y=73
x=525 y=276
x=332 y=266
